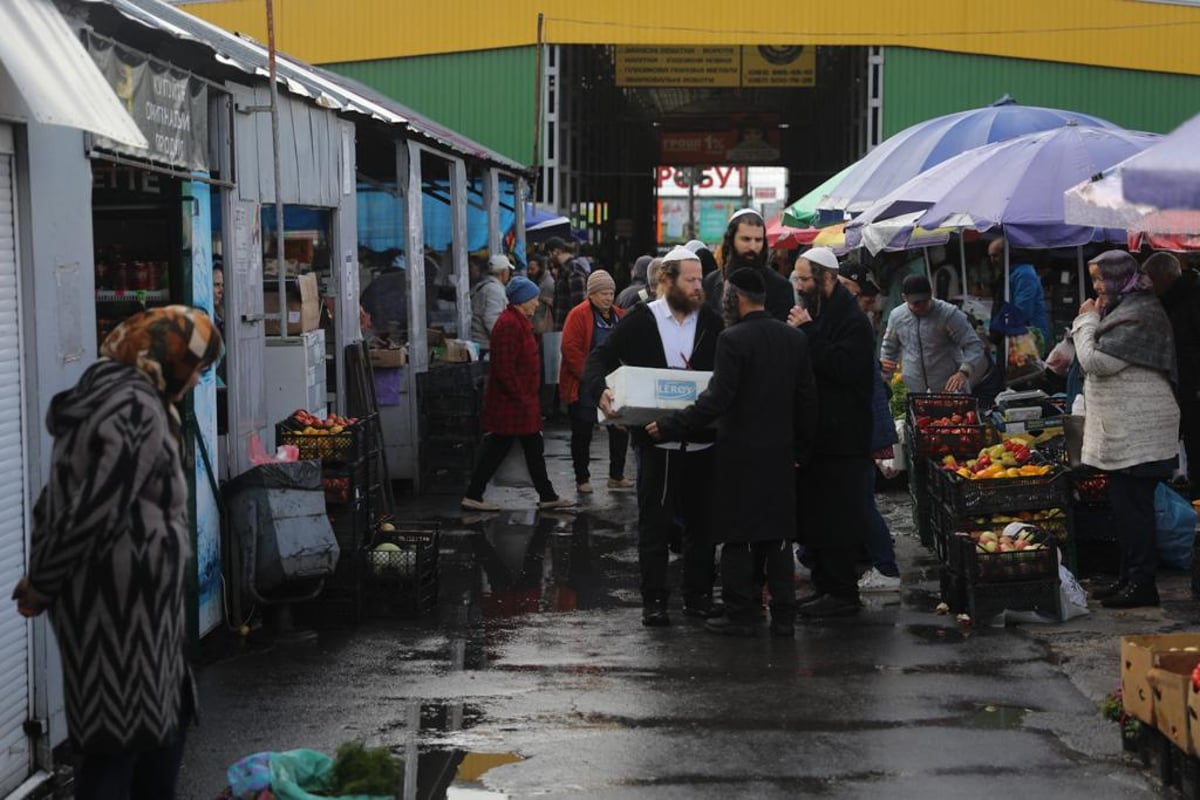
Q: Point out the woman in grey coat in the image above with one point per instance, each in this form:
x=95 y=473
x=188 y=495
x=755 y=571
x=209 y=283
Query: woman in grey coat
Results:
x=112 y=552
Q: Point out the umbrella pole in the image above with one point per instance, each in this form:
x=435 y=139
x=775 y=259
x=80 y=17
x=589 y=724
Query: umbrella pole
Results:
x=929 y=270
x=962 y=260
x=1007 y=299
x=1082 y=275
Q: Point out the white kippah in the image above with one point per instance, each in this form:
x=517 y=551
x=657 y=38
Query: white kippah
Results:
x=743 y=212
x=680 y=253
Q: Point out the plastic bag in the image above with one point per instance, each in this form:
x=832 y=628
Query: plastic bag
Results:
x=513 y=472
x=1024 y=360
x=297 y=773
x=1176 y=527
x=250 y=776
x=285 y=453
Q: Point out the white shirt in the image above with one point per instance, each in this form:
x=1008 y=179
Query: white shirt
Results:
x=678 y=340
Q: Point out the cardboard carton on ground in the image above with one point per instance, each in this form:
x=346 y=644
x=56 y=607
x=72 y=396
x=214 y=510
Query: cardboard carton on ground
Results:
x=641 y=394
x=1140 y=654
x=1170 y=683
x=303 y=307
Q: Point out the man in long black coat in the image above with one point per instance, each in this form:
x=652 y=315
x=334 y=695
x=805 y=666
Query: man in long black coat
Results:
x=832 y=515
x=1179 y=291
x=764 y=400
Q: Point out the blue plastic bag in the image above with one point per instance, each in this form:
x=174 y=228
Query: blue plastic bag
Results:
x=1176 y=527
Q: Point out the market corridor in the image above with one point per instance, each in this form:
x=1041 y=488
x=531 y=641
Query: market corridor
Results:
x=534 y=677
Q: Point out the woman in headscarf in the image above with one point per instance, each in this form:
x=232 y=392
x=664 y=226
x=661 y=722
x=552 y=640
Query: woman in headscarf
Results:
x=1124 y=344
x=112 y=552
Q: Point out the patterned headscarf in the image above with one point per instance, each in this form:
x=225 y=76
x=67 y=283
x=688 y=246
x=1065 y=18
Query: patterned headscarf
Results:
x=1121 y=275
x=168 y=344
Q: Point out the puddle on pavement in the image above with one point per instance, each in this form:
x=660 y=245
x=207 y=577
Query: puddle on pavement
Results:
x=452 y=774
x=936 y=634
x=999 y=716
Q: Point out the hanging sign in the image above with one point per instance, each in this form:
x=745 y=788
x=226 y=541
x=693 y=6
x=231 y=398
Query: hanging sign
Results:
x=170 y=106
x=734 y=67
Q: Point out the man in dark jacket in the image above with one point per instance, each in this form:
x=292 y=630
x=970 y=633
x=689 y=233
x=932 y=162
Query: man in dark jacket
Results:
x=745 y=247
x=675 y=480
x=570 y=282
x=832 y=514
x=638 y=288
x=764 y=401
x=1179 y=292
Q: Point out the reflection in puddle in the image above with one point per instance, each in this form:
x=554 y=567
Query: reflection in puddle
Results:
x=443 y=774
x=936 y=634
x=999 y=716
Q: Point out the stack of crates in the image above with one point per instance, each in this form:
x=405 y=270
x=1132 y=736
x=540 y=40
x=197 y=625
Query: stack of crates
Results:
x=450 y=404
x=926 y=445
x=1099 y=551
x=350 y=475
x=984 y=583
x=401 y=568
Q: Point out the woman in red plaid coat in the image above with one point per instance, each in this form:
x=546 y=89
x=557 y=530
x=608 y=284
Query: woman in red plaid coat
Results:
x=511 y=402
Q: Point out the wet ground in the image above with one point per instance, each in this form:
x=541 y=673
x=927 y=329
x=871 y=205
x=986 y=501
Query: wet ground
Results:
x=534 y=678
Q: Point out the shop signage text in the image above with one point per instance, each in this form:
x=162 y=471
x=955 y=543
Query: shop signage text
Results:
x=713 y=181
x=169 y=106
x=749 y=66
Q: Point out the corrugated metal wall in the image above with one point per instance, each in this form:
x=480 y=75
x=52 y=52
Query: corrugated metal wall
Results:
x=487 y=95
x=1115 y=33
x=919 y=84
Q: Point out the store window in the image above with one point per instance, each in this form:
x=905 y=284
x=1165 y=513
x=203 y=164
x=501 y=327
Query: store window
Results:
x=383 y=262
x=138 y=218
x=441 y=302
x=508 y=220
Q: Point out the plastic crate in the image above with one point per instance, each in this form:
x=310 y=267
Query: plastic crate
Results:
x=1089 y=487
x=351 y=525
x=938 y=405
x=452 y=405
x=985 y=600
x=967 y=497
x=401 y=580
x=450 y=378
x=347 y=447
x=960 y=441
x=1055 y=522
x=1019 y=565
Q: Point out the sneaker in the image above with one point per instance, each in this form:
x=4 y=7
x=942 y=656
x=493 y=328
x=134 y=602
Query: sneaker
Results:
x=583 y=488
x=620 y=483
x=1103 y=591
x=703 y=608
x=655 y=615
x=725 y=626
x=875 y=581
x=559 y=502
x=471 y=504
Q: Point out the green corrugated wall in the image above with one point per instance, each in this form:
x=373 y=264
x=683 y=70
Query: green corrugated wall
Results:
x=487 y=95
x=920 y=84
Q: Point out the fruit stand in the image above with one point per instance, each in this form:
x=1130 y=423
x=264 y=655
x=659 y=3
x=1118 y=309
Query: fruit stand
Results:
x=994 y=509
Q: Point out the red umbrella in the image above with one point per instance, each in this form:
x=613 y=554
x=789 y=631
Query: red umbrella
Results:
x=782 y=237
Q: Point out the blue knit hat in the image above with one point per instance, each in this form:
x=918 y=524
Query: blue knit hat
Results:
x=521 y=290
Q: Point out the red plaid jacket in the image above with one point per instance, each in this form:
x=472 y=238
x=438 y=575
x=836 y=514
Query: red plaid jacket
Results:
x=511 y=406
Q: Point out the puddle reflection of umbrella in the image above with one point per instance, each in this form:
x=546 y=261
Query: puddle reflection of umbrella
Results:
x=928 y=144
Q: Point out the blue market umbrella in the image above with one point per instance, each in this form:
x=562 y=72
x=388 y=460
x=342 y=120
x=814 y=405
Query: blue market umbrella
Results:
x=927 y=144
x=1167 y=176
x=1017 y=184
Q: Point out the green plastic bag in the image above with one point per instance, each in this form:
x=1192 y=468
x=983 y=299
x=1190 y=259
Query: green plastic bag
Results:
x=295 y=774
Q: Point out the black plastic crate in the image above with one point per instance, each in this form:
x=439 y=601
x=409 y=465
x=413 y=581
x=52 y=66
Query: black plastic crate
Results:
x=977 y=567
x=351 y=525
x=449 y=378
x=451 y=406
x=954 y=590
x=938 y=405
x=960 y=441
x=1089 y=487
x=401 y=570
x=347 y=447
x=986 y=600
x=1056 y=522
x=966 y=497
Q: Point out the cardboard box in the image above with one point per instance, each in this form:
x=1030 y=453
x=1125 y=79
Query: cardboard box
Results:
x=303 y=306
x=389 y=358
x=1171 y=682
x=458 y=351
x=642 y=395
x=1140 y=654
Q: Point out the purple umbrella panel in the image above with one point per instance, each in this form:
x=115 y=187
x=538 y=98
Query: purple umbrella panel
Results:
x=1167 y=176
x=927 y=144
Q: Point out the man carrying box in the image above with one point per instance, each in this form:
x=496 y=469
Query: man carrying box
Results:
x=763 y=398
x=675 y=480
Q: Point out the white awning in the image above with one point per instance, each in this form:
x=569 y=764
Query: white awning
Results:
x=55 y=76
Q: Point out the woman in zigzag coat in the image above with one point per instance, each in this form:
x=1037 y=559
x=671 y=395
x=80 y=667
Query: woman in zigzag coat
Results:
x=112 y=552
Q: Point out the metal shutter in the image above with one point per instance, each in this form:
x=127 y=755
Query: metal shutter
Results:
x=15 y=756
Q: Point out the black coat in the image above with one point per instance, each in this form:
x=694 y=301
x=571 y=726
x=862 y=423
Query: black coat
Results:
x=781 y=297
x=1182 y=303
x=764 y=401
x=834 y=488
x=635 y=342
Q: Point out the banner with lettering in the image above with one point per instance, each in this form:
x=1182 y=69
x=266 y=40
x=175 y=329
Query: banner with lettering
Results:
x=170 y=106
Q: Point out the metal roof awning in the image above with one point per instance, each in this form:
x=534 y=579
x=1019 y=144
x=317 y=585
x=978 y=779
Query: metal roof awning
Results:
x=55 y=77
x=295 y=77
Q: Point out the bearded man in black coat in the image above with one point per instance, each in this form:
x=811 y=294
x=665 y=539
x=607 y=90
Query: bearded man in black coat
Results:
x=745 y=247
x=763 y=400
x=832 y=517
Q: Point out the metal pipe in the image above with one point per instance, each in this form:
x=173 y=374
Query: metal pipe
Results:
x=962 y=260
x=280 y=259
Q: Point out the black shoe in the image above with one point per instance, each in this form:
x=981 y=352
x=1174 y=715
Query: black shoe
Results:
x=829 y=606
x=1105 y=590
x=703 y=608
x=783 y=629
x=655 y=614
x=805 y=599
x=728 y=627
x=1135 y=595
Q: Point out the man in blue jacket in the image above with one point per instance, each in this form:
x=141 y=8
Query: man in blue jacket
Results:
x=1024 y=289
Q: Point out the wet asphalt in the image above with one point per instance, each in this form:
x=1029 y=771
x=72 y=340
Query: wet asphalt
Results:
x=533 y=677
